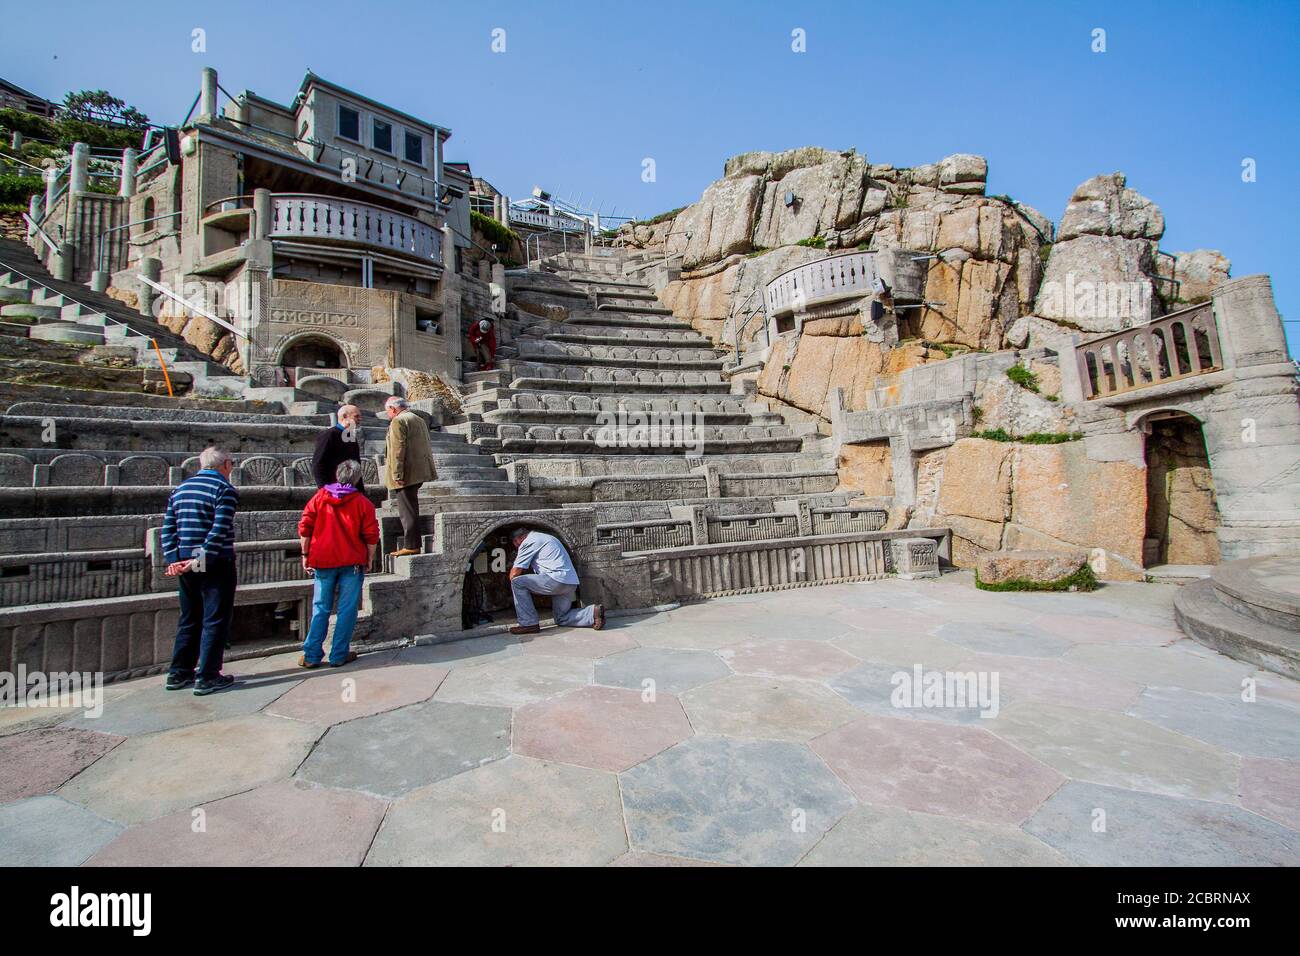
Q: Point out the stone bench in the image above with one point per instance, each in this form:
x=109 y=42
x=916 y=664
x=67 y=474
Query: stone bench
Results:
x=40 y=468
x=184 y=415
x=81 y=434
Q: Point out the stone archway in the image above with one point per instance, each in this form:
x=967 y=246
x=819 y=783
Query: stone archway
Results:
x=1182 y=508
x=485 y=588
x=313 y=350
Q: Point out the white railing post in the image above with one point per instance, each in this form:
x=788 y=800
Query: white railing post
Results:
x=130 y=159
x=78 y=172
x=51 y=188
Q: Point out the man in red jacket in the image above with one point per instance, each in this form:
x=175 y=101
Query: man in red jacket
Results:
x=339 y=534
x=483 y=340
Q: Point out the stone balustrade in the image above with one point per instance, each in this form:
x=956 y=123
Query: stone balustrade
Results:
x=329 y=219
x=849 y=276
x=1176 y=346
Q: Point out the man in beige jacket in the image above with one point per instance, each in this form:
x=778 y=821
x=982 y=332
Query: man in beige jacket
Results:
x=408 y=463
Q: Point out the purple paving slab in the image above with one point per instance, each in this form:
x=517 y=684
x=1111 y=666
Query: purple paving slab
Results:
x=604 y=728
x=38 y=761
x=811 y=660
x=1271 y=788
x=343 y=695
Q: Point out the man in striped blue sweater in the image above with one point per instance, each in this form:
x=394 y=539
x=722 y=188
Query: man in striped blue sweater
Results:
x=198 y=542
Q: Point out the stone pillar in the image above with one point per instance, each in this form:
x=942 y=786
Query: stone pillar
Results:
x=498 y=286
x=79 y=172
x=451 y=300
x=1250 y=330
x=437 y=158
x=1068 y=361
x=126 y=188
x=33 y=211
x=262 y=213
x=151 y=269
x=64 y=261
x=208 y=95
x=51 y=187
x=16 y=141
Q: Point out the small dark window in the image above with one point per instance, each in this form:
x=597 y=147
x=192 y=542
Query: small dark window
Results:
x=428 y=322
x=15 y=571
x=99 y=565
x=149 y=208
x=414 y=148
x=383 y=136
x=349 y=123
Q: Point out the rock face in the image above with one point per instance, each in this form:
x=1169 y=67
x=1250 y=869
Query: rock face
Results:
x=1182 y=510
x=1005 y=495
x=1100 y=274
x=1037 y=567
x=1197 y=275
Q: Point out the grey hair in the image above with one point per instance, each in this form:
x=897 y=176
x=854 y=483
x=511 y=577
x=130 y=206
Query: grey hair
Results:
x=213 y=458
x=520 y=532
x=397 y=401
x=344 y=407
x=348 y=472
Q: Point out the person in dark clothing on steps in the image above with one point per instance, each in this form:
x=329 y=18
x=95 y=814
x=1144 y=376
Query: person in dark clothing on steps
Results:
x=339 y=443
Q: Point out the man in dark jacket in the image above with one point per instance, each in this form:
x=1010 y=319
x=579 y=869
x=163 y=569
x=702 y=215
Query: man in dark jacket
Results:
x=339 y=443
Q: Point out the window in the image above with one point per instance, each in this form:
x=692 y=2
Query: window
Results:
x=414 y=148
x=428 y=321
x=383 y=136
x=349 y=123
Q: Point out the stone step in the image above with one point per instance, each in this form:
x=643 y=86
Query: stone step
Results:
x=527 y=382
x=610 y=336
x=1206 y=619
x=69 y=332
x=618 y=320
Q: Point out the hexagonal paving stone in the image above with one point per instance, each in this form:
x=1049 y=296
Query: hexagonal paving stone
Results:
x=467 y=653
x=812 y=660
x=1054 y=681
x=1016 y=639
x=346 y=695
x=672 y=670
x=515 y=681
x=149 y=776
x=515 y=812
x=933 y=768
x=764 y=707
x=1173 y=666
x=1082 y=629
x=38 y=761
x=755 y=802
x=1118 y=750
x=694 y=634
x=1271 y=788
x=578 y=642
x=1146 y=829
x=396 y=752
x=605 y=728
x=901 y=649
x=1253 y=728
x=50 y=831
x=884 y=689
x=286 y=823
x=890 y=836
x=153 y=709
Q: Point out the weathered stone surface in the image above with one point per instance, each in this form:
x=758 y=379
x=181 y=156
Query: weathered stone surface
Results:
x=977 y=480
x=513 y=681
x=288 y=823
x=801 y=659
x=38 y=761
x=515 y=812
x=1253 y=728
x=1198 y=274
x=1105 y=206
x=50 y=831
x=732 y=801
x=1271 y=788
x=963 y=173
x=866 y=467
x=332 y=699
x=773 y=709
x=605 y=728
x=671 y=670
x=1040 y=567
x=1099 y=283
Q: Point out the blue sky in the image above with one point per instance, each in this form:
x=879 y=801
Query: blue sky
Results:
x=586 y=90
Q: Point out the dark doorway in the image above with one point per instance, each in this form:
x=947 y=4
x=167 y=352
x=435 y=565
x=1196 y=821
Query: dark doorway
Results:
x=313 y=353
x=1182 y=511
x=486 y=597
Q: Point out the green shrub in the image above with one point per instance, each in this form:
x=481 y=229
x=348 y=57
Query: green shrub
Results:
x=1081 y=580
x=813 y=242
x=18 y=189
x=662 y=217
x=1032 y=438
x=1023 y=377
x=493 y=230
x=977 y=414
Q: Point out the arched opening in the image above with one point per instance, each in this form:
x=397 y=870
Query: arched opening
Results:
x=313 y=351
x=1182 y=510
x=485 y=596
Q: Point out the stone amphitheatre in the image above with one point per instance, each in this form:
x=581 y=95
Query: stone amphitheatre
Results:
x=833 y=424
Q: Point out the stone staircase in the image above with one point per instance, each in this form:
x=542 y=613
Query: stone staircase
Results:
x=1248 y=609
x=38 y=306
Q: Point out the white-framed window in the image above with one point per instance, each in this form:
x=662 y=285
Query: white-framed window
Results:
x=413 y=147
x=381 y=136
x=349 y=123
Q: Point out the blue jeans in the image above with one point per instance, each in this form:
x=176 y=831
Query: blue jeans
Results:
x=207 y=603
x=346 y=582
x=526 y=585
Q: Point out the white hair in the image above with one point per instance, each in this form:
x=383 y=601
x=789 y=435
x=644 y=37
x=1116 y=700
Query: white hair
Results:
x=212 y=458
x=397 y=401
x=347 y=472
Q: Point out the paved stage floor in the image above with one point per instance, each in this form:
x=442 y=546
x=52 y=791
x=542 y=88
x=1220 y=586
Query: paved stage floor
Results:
x=765 y=729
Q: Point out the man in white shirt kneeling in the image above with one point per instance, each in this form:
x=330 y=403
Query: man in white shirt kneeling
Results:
x=543 y=566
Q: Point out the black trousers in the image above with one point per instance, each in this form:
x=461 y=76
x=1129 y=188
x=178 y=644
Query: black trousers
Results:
x=408 y=510
x=207 y=605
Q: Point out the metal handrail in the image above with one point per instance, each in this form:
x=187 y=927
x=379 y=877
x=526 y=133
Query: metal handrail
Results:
x=36 y=228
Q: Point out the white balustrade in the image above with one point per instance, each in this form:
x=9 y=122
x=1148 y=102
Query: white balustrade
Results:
x=545 y=221
x=1175 y=346
x=848 y=276
x=323 y=217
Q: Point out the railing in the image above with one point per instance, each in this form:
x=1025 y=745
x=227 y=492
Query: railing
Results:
x=848 y=276
x=323 y=217
x=545 y=221
x=1167 y=349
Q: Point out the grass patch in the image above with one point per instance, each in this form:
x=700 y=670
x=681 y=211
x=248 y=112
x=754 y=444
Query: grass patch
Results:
x=1081 y=580
x=1023 y=377
x=662 y=217
x=1032 y=438
x=493 y=230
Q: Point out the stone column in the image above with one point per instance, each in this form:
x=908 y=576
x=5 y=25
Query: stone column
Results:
x=51 y=187
x=151 y=268
x=126 y=188
x=262 y=213
x=79 y=172
x=64 y=261
x=451 y=301
x=1250 y=330
x=208 y=95
x=34 y=212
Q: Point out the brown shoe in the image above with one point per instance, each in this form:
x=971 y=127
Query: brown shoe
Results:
x=302 y=662
x=352 y=656
x=403 y=552
x=599 y=623
x=521 y=629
